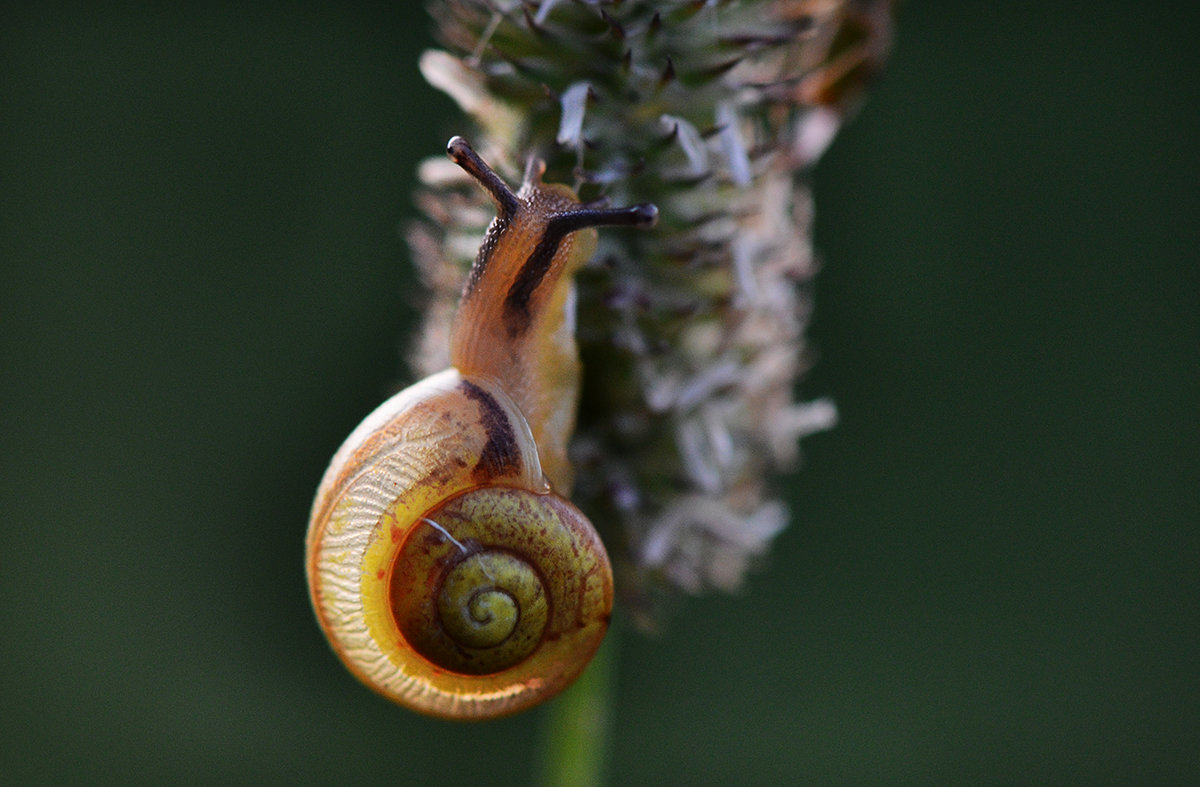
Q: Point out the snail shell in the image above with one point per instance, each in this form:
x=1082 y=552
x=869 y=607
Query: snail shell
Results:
x=444 y=569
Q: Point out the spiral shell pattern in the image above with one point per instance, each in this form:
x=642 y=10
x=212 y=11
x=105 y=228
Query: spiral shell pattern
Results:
x=446 y=574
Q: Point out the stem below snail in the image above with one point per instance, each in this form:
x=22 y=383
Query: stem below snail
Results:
x=574 y=739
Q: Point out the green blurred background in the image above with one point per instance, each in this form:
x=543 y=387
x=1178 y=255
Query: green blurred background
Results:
x=992 y=574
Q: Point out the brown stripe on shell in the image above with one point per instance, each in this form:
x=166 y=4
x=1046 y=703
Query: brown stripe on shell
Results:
x=501 y=456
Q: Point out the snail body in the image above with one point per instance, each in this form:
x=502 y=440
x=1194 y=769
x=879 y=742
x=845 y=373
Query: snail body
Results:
x=444 y=565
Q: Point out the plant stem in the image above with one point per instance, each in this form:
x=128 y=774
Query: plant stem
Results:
x=574 y=739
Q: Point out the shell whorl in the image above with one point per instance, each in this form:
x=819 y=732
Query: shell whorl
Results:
x=438 y=489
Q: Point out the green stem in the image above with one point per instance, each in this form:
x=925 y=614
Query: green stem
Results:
x=574 y=739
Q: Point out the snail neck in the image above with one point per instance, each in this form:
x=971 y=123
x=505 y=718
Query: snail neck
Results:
x=516 y=321
x=515 y=324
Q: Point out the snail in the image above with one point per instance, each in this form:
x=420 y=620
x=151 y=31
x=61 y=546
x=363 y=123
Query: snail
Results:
x=444 y=564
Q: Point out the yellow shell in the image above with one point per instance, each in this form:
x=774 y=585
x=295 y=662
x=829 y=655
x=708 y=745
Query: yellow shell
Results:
x=455 y=599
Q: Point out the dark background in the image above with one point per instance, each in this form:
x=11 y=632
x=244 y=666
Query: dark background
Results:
x=992 y=574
